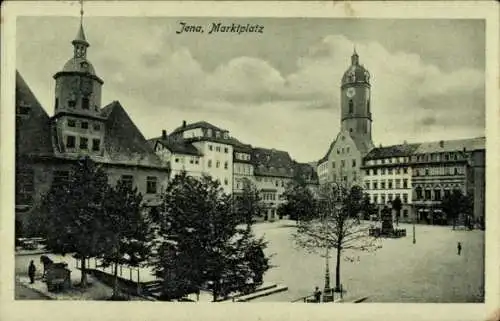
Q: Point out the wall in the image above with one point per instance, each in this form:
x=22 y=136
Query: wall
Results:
x=340 y=161
x=221 y=153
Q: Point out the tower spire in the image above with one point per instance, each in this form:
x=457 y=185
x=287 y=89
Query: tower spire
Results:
x=80 y=43
x=355 y=57
x=81 y=12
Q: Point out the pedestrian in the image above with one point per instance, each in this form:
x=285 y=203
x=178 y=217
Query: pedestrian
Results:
x=31 y=271
x=459 y=248
x=317 y=295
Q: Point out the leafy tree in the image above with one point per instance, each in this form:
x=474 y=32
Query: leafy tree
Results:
x=248 y=205
x=354 y=201
x=199 y=241
x=367 y=207
x=73 y=214
x=337 y=228
x=126 y=229
x=397 y=205
x=456 y=203
x=300 y=201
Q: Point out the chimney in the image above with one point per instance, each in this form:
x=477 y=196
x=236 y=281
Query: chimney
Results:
x=441 y=143
x=164 y=134
x=183 y=124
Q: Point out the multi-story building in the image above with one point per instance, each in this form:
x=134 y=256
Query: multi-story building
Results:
x=47 y=147
x=273 y=170
x=440 y=167
x=342 y=162
x=179 y=155
x=242 y=167
x=200 y=148
x=387 y=175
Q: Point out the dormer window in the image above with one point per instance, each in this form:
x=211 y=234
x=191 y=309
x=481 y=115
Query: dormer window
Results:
x=217 y=134
x=209 y=132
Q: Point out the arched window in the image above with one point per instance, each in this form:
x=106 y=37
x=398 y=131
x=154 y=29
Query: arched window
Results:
x=57 y=103
x=368 y=106
x=351 y=106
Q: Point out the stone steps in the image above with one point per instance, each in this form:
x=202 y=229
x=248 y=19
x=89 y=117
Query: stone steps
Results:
x=262 y=292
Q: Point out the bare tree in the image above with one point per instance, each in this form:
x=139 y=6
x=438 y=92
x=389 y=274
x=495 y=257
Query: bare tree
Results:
x=337 y=228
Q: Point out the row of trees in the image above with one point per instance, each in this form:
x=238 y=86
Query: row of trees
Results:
x=196 y=237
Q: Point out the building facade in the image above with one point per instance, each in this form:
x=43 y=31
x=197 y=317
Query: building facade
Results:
x=387 y=175
x=242 y=167
x=47 y=147
x=443 y=166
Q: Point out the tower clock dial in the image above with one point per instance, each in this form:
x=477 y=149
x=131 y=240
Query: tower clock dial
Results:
x=351 y=92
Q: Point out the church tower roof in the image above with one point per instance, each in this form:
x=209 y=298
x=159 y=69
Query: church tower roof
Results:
x=80 y=37
x=356 y=73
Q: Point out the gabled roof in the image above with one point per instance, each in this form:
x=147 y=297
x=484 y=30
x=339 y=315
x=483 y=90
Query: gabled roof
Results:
x=272 y=162
x=200 y=124
x=177 y=147
x=32 y=128
x=391 y=151
x=470 y=144
x=123 y=142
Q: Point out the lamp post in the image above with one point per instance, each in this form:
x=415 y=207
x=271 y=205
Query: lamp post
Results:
x=414 y=219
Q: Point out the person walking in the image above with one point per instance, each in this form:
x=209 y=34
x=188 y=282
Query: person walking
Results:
x=459 y=248
x=317 y=295
x=31 y=271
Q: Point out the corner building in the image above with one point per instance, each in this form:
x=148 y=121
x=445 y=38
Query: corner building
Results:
x=47 y=147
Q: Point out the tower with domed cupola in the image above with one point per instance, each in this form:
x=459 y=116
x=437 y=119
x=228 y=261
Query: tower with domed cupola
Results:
x=356 y=116
x=77 y=123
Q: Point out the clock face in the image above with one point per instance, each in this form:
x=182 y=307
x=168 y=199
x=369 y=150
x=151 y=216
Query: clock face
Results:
x=351 y=92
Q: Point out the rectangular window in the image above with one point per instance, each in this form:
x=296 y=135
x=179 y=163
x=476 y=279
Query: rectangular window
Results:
x=209 y=163
x=225 y=181
x=389 y=171
x=333 y=164
x=176 y=160
x=398 y=170
x=85 y=103
x=353 y=163
x=151 y=182
x=427 y=194
x=398 y=183
x=367 y=184
x=437 y=195
x=382 y=198
x=71 y=123
x=217 y=164
x=25 y=186
x=217 y=148
x=84 y=143
x=389 y=199
x=389 y=183
x=382 y=185
x=342 y=163
x=70 y=141
x=96 y=144
x=405 y=213
x=225 y=165
x=128 y=181
x=375 y=185
x=210 y=147
x=97 y=127
x=419 y=193
x=84 y=125
x=225 y=150
x=405 y=198
x=375 y=199
x=405 y=170
x=382 y=171
x=367 y=172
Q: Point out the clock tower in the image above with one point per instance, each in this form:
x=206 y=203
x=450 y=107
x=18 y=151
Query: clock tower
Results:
x=77 y=124
x=356 y=116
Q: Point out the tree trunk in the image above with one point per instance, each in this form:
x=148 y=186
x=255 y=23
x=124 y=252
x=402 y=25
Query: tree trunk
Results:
x=83 y=280
x=115 y=283
x=337 y=269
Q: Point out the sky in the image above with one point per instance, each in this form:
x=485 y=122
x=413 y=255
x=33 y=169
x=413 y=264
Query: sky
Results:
x=276 y=89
